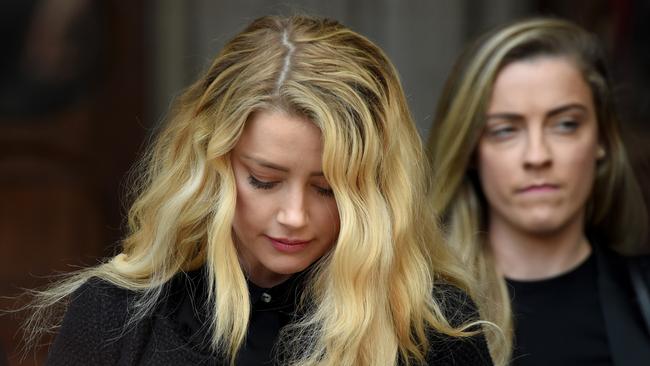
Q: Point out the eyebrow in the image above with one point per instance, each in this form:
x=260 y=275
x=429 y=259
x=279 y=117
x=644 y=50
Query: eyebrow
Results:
x=267 y=164
x=551 y=113
x=565 y=108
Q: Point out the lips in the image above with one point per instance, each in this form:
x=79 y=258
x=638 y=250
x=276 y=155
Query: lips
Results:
x=289 y=241
x=541 y=187
x=288 y=245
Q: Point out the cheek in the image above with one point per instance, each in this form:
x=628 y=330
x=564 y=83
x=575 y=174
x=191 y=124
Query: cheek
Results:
x=581 y=167
x=328 y=220
x=493 y=171
x=249 y=209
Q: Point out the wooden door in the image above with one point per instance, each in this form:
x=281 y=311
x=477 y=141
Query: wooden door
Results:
x=67 y=139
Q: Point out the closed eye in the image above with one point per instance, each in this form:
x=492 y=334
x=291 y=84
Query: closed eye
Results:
x=325 y=192
x=259 y=184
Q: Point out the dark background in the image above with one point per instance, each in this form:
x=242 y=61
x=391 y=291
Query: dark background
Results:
x=84 y=83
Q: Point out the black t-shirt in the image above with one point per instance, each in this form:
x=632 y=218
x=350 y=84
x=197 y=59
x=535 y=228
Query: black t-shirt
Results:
x=559 y=321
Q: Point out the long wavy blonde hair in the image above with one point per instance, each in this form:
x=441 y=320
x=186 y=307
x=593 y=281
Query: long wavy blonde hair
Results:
x=615 y=213
x=371 y=296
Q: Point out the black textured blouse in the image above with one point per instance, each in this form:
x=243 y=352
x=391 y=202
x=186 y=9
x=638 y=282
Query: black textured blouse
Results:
x=95 y=330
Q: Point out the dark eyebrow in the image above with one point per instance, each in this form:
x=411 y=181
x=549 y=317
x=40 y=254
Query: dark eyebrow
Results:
x=506 y=116
x=551 y=113
x=564 y=108
x=267 y=164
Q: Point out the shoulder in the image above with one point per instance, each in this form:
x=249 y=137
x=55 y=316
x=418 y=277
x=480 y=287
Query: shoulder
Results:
x=457 y=306
x=638 y=268
x=618 y=259
x=99 y=302
x=641 y=263
x=459 y=309
x=92 y=325
x=97 y=292
x=620 y=267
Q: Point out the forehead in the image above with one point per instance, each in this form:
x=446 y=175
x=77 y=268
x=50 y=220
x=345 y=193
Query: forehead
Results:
x=280 y=125
x=282 y=137
x=543 y=81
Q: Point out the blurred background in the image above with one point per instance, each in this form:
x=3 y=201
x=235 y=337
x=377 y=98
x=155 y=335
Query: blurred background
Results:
x=84 y=83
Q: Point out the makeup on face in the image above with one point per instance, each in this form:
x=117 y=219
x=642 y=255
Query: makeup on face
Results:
x=286 y=216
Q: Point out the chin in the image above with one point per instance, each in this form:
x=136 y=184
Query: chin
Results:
x=289 y=269
x=543 y=225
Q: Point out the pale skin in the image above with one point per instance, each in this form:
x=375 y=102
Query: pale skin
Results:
x=537 y=162
x=286 y=216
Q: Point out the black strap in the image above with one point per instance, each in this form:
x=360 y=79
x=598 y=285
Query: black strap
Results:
x=641 y=285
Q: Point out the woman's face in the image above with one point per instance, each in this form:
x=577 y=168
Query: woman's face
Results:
x=286 y=216
x=537 y=155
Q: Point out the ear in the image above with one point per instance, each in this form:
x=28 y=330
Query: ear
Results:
x=601 y=153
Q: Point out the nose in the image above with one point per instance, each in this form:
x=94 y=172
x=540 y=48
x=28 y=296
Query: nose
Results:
x=537 y=153
x=293 y=211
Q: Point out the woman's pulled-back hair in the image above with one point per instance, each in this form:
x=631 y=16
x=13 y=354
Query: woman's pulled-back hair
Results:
x=371 y=296
x=615 y=214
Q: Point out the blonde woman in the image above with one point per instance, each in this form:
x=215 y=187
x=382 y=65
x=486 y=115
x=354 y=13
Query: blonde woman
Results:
x=538 y=196
x=280 y=219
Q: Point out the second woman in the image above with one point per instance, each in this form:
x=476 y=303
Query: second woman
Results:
x=538 y=196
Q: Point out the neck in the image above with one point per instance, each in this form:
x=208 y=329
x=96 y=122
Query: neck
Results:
x=256 y=272
x=260 y=276
x=522 y=255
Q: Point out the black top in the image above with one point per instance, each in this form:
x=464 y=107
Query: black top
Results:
x=559 y=321
x=271 y=310
x=95 y=330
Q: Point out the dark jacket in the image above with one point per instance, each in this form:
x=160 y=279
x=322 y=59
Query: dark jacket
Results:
x=95 y=330
x=623 y=285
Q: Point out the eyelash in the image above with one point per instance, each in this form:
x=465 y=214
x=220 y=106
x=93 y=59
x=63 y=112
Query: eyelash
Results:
x=258 y=184
x=568 y=125
x=502 y=131
x=324 y=192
